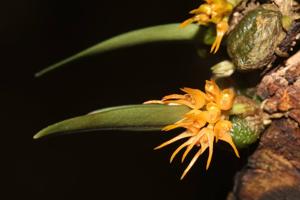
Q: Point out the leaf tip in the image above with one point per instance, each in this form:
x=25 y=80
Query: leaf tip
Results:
x=42 y=133
x=37 y=75
x=42 y=72
x=37 y=136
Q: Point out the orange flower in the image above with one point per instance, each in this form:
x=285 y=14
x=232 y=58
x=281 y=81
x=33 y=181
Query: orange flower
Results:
x=213 y=11
x=205 y=123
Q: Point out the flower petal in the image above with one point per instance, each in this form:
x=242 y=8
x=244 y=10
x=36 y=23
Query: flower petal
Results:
x=197 y=155
x=226 y=99
x=210 y=136
x=212 y=91
x=198 y=97
x=173 y=96
x=227 y=138
x=213 y=113
x=180 y=147
x=179 y=137
x=222 y=131
x=195 y=141
x=222 y=127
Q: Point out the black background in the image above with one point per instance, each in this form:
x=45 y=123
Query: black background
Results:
x=96 y=165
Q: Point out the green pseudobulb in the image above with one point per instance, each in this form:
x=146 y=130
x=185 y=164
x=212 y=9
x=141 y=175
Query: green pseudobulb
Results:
x=252 y=43
x=242 y=133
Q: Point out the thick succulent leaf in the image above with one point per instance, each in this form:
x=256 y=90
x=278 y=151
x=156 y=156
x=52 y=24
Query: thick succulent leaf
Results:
x=144 y=117
x=167 y=32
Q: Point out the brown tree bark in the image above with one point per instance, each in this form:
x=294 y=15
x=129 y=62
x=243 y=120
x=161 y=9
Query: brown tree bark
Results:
x=273 y=171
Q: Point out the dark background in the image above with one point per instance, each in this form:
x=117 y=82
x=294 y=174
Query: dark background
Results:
x=96 y=165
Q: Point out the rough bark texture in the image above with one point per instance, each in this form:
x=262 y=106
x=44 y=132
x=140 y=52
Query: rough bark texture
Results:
x=273 y=171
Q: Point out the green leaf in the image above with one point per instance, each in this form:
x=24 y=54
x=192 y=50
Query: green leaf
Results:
x=144 y=117
x=167 y=32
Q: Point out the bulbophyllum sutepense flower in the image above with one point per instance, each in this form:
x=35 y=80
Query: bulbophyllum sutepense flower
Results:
x=213 y=11
x=206 y=123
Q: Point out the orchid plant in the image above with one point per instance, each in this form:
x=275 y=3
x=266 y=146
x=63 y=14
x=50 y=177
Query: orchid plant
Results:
x=216 y=114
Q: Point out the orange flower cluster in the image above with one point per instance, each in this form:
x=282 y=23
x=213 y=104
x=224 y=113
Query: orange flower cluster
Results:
x=205 y=123
x=213 y=11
